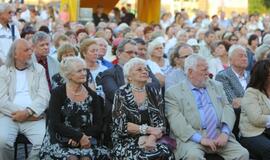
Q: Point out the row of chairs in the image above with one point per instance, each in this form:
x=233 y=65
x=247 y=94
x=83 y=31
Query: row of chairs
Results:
x=21 y=139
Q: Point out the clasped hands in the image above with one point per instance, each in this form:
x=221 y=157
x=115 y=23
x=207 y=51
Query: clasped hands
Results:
x=219 y=142
x=22 y=116
x=149 y=142
x=84 y=142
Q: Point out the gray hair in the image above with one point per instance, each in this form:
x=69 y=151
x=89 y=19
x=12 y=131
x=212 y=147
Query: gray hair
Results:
x=131 y=64
x=68 y=65
x=152 y=45
x=121 y=46
x=101 y=39
x=192 y=61
x=180 y=33
x=233 y=49
x=10 y=61
x=40 y=36
x=4 y=7
x=261 y=51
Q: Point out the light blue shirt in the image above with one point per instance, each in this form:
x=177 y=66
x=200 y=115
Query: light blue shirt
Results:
x=196 y=137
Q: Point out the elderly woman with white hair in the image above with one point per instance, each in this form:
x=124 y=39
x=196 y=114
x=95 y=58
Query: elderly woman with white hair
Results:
x=155 y=52
x=74 y=118
x=159 y=65
x=138 y=117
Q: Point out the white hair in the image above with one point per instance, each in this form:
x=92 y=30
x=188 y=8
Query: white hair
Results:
x=266 y=39
x=131 y=64
x=152 y=45
x=261 y=51
x=101 y=39
x=201 y=30
x=192 y=61
x=180 y=33
x=4 y=7
x=233 y=48
x=68 y=65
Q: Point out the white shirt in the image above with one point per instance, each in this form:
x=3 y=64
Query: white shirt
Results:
x=26 y=15
x=215 y=66
x=22 y=94
x=205 y=51
x=100 y=68
x=154 y=67
x=242 y=79
x=6 y=40
x=169 y=44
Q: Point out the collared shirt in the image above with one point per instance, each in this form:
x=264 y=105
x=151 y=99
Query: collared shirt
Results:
x=242 y=79
x=44 y=63
x=99 y=69
x=106 y=63
x=196 y=92
x=6 y=40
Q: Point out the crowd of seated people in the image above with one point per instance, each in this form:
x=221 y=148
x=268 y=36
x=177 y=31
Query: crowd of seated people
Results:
x=181 y=89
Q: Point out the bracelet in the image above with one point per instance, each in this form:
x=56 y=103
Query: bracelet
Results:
x=143 y=129
x=30 y=111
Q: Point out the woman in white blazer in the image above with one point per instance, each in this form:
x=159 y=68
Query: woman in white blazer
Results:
x=255 y=115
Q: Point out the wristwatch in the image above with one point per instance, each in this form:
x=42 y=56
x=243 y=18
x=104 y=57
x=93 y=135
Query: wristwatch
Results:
x=143 y=129
x=30 y=111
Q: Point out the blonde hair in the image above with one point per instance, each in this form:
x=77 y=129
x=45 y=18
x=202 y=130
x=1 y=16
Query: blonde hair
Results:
x=64 y=49
x=84 y=46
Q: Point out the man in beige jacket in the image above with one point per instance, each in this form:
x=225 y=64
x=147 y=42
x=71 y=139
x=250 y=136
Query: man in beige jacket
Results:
x=200 y=117
x=24 y=95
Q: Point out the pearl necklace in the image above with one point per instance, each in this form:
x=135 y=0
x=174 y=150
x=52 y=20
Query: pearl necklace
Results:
x=137 y=89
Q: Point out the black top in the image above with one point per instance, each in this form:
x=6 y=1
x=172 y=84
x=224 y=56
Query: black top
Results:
x=58 y=80
x=71 y=119
x=100 y=18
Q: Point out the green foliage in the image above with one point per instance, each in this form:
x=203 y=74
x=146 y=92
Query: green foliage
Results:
x=267 y=3
x=258 y=6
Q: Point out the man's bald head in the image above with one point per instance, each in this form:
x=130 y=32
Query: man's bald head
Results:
x=20 y=54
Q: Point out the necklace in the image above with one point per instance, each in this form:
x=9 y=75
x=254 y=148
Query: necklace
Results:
x=137 y=89
x=76 y=93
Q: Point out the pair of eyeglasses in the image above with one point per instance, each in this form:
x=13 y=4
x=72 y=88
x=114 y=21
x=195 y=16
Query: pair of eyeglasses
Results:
x=182 y=57
x=142 y=69
x=93 y=50
x=234 y=39
x=130 y=52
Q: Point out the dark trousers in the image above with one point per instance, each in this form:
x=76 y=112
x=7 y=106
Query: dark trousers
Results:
x=258 y=146
x=235 y=130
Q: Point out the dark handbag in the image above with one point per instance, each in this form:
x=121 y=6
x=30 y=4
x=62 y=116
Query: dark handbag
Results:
x=169 y=141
